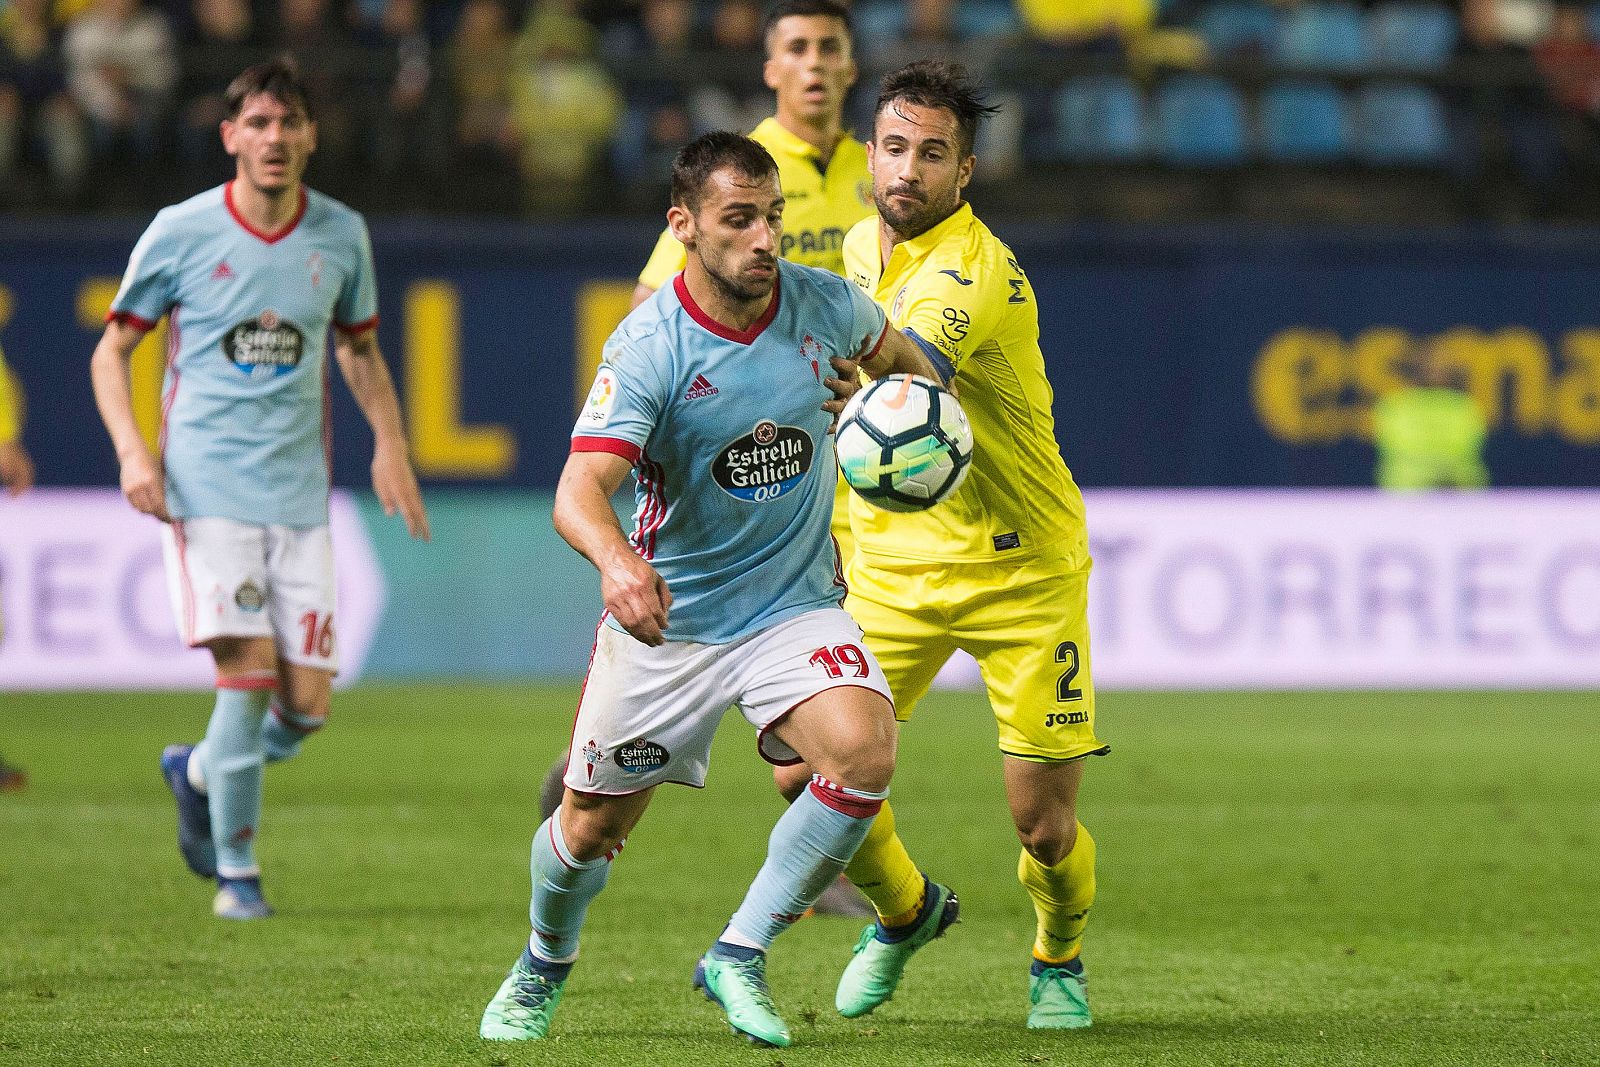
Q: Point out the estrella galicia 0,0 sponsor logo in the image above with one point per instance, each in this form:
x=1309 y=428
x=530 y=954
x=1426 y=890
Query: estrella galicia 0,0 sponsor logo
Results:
x=265 y=346
x=640 y=757
x=765 y=463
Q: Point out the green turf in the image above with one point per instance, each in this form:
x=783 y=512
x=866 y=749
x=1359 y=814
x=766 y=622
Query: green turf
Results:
x=1284 y=879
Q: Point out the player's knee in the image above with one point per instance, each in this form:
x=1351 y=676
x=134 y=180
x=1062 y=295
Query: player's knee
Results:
x=867 y=767
x=590 y=830
x=311 y=708
x=1047 y=837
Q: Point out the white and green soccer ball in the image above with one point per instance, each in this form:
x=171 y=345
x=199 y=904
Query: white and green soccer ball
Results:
x=904 y=443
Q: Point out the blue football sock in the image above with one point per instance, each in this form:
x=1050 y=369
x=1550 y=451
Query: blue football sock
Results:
x=233 y=760
x=808 y=849
x=282 y=731
x=563 y=887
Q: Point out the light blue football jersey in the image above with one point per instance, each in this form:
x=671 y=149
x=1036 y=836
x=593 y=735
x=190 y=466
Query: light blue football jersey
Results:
x=733 y=463
x=244 y=431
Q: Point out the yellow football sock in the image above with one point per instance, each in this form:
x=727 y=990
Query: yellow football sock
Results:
x=1062 y=896
x=882 y=869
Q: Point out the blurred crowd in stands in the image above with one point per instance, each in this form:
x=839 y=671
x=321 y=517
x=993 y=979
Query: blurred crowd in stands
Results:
x=573 y=107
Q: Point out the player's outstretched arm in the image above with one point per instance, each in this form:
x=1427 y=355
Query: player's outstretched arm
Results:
x=393 y=480
x=900 y=355
x=142 y=481
x=632 y=590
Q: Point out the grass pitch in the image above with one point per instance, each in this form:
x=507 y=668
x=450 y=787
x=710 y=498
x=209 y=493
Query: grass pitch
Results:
x=1284 y=879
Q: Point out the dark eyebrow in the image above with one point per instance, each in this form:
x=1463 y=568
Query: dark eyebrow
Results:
x=747 y=206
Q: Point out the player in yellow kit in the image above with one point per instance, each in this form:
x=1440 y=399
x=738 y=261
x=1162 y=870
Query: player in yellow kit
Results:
x=822 y=169
x=16 y=468
x=1000 y=569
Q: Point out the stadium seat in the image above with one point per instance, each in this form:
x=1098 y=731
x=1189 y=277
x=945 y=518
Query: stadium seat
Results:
x=1200 y=122
x=1101 y=117
x=1400 y=125
x=1325 y=37
x=1239 y=27
x=878 y=22
x=985 y=18
x=1416 y=36
x=1305 y=122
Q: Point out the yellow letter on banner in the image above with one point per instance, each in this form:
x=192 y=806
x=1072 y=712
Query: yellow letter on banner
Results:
x=601 y=305
x=148 y=361
x=442 y=446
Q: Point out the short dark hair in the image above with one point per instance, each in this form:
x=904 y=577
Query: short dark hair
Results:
x=278 y=78
x=831 y=9
x=940 y=84
x=705 y=155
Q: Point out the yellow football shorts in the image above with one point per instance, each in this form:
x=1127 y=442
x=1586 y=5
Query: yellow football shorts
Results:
x=1026 y=624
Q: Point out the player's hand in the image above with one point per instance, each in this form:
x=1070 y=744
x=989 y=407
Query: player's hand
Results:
x=636 y=594
x=395 y=484
x=16 y=468
x=845 y=386
x=145 y=486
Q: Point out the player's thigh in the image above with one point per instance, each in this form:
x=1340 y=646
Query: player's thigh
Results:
x=1028 y=628
x=217 y=579
x=303 y=600
x=647 y=715
x=814 y=692
x=902 y=613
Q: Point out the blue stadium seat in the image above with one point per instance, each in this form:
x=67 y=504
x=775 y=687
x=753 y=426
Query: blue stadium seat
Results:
x=1416 y=36
x=1305 y=122
x=1331 y=36
x=1200 y=122
x=1101 y=117
x=986 y=18
x=1239 y=27
x=1400 y=125
x=877 y=22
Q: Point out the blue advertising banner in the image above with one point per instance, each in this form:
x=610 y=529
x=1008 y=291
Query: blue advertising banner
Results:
x=1180 y=357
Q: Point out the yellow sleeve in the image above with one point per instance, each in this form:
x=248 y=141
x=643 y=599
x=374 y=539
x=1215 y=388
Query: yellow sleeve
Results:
x=8 y=404
x=955 y=309
x=667 y=259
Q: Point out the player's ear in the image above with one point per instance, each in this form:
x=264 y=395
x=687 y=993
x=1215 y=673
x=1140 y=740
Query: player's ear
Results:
x=311 y=131
x=964 y=172
x=229 y=130
x=769 y=74
x=681 y=223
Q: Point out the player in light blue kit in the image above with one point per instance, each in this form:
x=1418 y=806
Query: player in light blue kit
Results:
x=719 y=392
x=252 y=276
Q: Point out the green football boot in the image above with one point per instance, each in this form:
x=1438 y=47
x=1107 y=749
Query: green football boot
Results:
x=875 y=968
x=521 y=1010
x=740 y=988
x=1060 y=999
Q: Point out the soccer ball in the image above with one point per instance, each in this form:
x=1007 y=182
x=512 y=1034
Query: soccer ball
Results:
x=904 y=443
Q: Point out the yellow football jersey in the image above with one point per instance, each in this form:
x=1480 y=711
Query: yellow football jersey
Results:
x=959 y=288
x=820 y=205
x=8 y=405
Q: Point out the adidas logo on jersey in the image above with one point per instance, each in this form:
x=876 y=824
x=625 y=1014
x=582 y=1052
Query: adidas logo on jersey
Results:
x=701 y=387
x=222 y=273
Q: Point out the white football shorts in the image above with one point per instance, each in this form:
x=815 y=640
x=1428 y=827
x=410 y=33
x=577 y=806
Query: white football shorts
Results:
x=233 y=579
x=648 y=715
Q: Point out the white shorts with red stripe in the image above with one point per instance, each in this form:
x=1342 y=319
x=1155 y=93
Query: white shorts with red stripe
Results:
x=233 y=579
x=648 y=715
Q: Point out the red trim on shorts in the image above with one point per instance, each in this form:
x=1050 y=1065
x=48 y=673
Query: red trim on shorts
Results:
x=572 y=741
x=616 y=446
x=128 y=318
x=185 y=585
x=761 y=733
x=270 y=238
x=728 y=333
x=253 y=682
x=834 y=796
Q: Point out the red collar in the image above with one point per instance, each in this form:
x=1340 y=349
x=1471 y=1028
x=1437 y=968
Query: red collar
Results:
x=742 y=337
x=270 y=238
